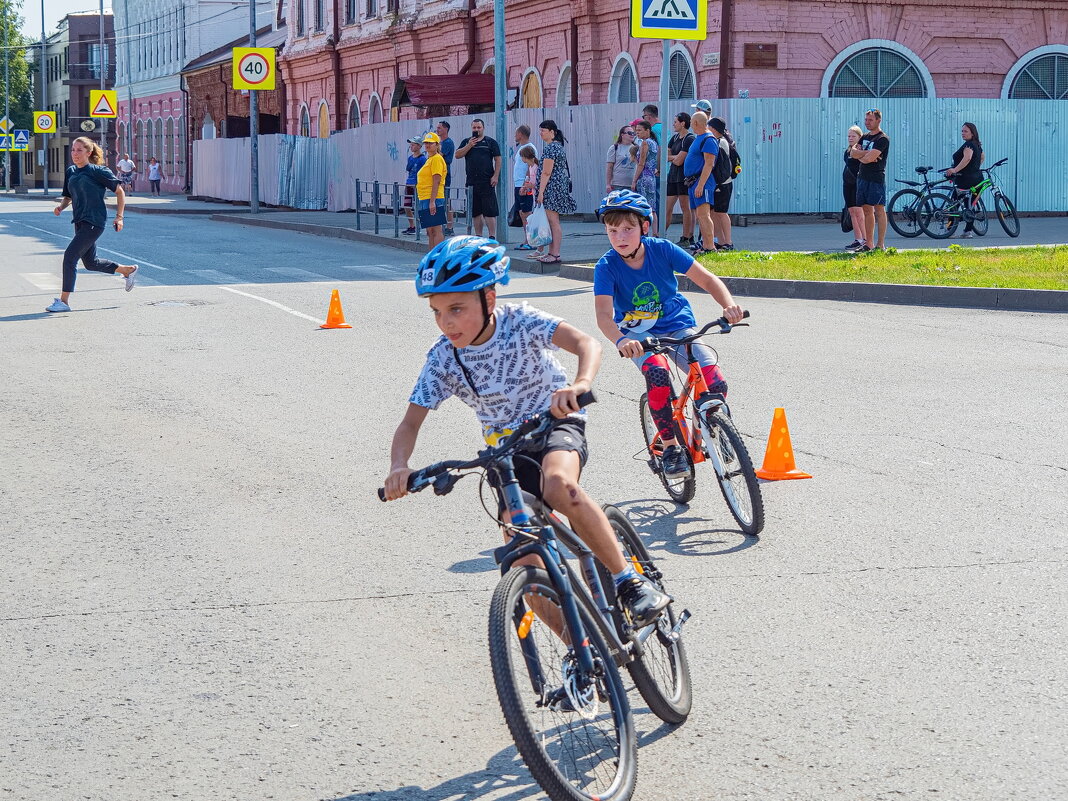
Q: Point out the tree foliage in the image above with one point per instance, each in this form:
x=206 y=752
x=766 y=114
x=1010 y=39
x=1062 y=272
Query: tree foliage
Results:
x=20 y=52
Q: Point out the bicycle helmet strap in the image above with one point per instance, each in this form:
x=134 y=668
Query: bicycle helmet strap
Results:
x=486 y=318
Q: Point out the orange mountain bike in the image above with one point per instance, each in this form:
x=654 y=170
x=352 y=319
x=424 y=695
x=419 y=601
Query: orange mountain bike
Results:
x=706 y=433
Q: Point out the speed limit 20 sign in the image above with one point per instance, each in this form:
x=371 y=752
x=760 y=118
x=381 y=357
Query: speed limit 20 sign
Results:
x=253 y=68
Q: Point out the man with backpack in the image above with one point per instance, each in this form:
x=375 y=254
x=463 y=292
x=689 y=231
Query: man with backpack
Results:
x=723 y=172
x=697 y=170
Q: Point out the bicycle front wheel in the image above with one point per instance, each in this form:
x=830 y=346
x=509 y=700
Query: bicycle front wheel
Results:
x=662 y=674
x=1007 y=215
x=574 y=731
x=904 y=212
x=939 y=215
x=680 y=488
x=737 y=478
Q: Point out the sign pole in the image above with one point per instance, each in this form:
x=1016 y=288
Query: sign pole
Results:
x=500 y=97
x=7 y=94
x=253 y=123
x=103 y=84
x=662 y=162
x=42 y=78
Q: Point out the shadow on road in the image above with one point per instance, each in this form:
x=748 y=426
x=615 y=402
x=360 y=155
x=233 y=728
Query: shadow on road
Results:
x=658 y=521
x=18 y=318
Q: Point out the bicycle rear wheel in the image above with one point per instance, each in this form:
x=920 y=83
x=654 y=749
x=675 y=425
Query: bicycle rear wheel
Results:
x=980 y=220
x=574 y=732
x=734 y=470
x=904 y=212
x=662 y=674
x=1007 y=215
x=939 y=215
x=681 y=488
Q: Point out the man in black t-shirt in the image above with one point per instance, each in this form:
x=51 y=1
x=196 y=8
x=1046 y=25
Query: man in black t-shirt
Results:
x=483 y=158
x=871 y=151
x=678 y=147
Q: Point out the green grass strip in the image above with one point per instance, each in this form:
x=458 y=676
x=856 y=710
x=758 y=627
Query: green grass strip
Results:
x=1018 y=268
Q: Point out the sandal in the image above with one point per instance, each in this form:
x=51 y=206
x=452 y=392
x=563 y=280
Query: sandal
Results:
x=524 y=246
x=549 y=258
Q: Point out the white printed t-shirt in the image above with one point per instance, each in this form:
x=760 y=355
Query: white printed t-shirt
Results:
x=515 y=371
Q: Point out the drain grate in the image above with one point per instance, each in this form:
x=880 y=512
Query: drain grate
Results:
x=178 y=303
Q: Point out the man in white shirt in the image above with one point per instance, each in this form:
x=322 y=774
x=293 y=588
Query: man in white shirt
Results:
x=127 y=169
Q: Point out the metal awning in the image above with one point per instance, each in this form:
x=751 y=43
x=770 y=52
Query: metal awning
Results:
x=444 y=90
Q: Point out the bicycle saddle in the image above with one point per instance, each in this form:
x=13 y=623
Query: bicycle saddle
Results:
x=923 y=170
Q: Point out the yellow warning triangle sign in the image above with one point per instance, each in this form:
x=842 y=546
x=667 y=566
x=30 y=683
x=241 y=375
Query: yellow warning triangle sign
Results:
x=103 y=104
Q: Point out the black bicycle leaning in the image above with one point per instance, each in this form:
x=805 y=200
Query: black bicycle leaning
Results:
x=943 y=211
x=906 y=205
x=557 y=641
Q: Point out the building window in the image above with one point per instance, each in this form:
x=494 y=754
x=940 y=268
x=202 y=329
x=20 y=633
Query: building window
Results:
x=354 y=114
x=207 y=127
x=350 y=11
x=624 y=86
x=324 y=121
x=392 y=6
x=158 y=147
x=305 y=122
x=179 y=149
x=319 y=13
x=374 y=110
x=169 y=161
x=300 y=17
x=877 y=72
x=681 y=78
x=372 y=8
x=531 y=94
x=1042 y=78
x=563 y=88
x=97 y=64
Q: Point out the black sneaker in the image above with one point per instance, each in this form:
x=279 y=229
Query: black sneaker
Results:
x=684 y=241
x=641 y=601
x=448 y=231
x=856 y=243
x=674 y=462
x=863 y=249
x=724 y=247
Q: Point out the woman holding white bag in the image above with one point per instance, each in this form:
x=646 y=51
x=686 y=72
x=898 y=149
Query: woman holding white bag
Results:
x=554 y=187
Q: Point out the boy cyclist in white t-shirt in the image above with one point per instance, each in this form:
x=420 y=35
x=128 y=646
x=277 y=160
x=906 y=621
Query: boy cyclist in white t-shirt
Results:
x=499 y=361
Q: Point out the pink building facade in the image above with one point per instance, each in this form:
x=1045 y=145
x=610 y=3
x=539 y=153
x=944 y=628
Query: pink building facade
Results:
x=155 y=126
x=344 y=58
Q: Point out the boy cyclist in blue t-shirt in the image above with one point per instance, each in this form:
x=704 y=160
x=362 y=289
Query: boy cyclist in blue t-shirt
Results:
x=499 y=360
x=636 y=295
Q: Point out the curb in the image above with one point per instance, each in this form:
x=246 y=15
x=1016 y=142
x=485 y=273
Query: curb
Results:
x=1039 y=300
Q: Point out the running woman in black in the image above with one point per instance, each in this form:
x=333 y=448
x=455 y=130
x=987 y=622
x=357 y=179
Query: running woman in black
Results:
x=84 y=187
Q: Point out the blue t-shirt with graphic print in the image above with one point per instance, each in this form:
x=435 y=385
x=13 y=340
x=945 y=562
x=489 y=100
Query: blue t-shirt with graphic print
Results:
x=647 y=301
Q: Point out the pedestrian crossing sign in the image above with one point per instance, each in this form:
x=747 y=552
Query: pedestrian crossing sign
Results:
x=21 y=139
x=103 y=103
x=669 y=19
x=7 y=142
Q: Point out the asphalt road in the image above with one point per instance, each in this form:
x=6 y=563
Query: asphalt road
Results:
x=201 y=597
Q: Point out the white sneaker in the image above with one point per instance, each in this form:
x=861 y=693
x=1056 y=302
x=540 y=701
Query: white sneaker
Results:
x=131 y=279
x=57 y=306
x=967 y=235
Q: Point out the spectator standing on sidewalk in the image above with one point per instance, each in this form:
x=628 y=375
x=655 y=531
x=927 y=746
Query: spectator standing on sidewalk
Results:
x=871 y=152
x=554 y=185
x=721 y=197
x=416 y=160
x=849 y=191
x=524 y=201
x=430 y=191
x=155 y=175
x=697 y=169
x=620 y=165
x=127 y=168
x=966 y=165
x=482 y=155
x=651 y=114
x=678 y=147
x=645 y=182
x=448 y=152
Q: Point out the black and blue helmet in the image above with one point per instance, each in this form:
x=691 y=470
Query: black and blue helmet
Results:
x=625 y=200
x=462 y=264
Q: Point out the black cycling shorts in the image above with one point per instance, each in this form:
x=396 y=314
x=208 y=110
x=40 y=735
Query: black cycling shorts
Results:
x=568 y=434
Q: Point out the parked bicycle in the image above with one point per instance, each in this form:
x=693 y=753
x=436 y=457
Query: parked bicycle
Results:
x=704 y=429
x=905 y=206
x=944 y=211
x=557 y=642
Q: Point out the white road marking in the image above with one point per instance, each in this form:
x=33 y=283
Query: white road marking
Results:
x=47 y=281
x=277 y=305
x=133 y=259
x=215 y=277
x=294 y=272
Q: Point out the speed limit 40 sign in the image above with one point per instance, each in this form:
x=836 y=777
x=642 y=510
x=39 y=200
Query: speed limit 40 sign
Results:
x=253 y=68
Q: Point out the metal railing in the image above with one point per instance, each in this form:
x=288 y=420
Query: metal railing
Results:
x=386 y=200
x=90 y=72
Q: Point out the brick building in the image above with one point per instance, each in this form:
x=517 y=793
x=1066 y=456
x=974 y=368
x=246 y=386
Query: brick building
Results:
x=346 y=59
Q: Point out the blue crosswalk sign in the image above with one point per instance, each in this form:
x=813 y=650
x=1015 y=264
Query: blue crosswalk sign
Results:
x=7 y=141
x=669 y=19
x=22 y=138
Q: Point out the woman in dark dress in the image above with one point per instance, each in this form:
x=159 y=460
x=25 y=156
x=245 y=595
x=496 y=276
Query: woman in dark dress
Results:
x=84 y=187
x=966 y=163
x=849 y=191
x=554 y=186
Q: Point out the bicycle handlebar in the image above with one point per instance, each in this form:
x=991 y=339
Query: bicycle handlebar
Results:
x=438 y=473
x=658 y=344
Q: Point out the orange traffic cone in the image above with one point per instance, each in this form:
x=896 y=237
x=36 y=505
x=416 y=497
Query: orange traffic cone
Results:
x=335 y=318
x=779 y=457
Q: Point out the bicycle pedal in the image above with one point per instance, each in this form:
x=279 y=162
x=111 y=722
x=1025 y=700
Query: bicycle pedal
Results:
x=676 y=631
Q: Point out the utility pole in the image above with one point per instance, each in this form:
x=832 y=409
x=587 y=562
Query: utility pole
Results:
x=500 y=96
x=43 y=79
x=7 y=91
x=103 y=84
x=254 y=121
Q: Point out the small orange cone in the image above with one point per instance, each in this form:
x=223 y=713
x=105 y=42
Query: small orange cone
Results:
x=779 y=457
x=335 y=318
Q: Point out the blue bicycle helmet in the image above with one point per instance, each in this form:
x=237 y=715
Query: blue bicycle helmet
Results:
x=462 y=264
x=625 y=200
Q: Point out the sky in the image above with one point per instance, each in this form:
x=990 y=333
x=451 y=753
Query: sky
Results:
x=54 y=11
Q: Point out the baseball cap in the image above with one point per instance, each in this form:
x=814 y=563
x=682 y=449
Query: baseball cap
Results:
x=432 y=137
x=718 y=123
x=415 y=140
x=703 y=105
x=635 y=122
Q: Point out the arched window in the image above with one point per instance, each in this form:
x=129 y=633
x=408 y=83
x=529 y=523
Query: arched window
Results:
x=563 y=87
x=168 y=153
x=531 y=94
x=354 y=114
x=139 y=145
x=324 y=121
x=374 y=110
x=682 y=86
x=157 y=147
x=1042 y=78
x=624 y=85
x=207 y=127
x=877 y=72
x=305 y=121
x=179 y=148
